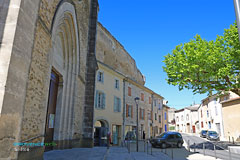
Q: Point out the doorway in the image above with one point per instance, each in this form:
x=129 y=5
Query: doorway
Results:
x=100 y=133
x=51 y=110
x=194 y=129
x=116 y=135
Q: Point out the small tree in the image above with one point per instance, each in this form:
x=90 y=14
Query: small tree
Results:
x=206 y=66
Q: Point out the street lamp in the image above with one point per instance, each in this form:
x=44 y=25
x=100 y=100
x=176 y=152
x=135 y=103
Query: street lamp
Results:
x=136 y=101
x=237 y=12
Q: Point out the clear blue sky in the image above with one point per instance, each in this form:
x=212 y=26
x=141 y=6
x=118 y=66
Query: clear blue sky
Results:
x=150 y=29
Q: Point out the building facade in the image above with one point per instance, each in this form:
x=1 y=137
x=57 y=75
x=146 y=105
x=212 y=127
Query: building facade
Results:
x=231 y=119
x=187 y=119
x=210 y=113
x=150 y=110
x=110 y=53
x=47 y=60
x=171 y=119
x=108 y=111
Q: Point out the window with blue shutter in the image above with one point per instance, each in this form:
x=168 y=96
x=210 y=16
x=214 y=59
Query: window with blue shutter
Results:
x=117 y=104
x=103 y=100
x=100 y=100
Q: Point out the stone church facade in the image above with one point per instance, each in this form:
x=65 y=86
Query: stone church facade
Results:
x=47 y=70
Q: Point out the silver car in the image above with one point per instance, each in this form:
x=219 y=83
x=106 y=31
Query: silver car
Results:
x=213 y=135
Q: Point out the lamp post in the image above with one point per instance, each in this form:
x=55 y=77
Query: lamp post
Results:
x=136 y=101
x=237 y=12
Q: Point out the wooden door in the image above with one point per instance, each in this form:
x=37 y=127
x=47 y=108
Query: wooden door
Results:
x=194 y=129
x=51 y=110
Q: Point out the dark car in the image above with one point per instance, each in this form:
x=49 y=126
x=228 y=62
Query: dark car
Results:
x=167 y=139
x=203 y=133
x=212 y=135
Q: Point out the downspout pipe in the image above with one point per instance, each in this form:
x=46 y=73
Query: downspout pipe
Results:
x=124 y=109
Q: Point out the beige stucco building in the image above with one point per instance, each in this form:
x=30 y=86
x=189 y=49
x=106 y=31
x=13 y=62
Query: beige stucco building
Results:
x=150 y=110
x=187 y=119
x=210 y=113
x=108 y=111
x=231 y=118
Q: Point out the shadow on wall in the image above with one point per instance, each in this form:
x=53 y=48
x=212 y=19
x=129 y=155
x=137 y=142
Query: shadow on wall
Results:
x=4 y=4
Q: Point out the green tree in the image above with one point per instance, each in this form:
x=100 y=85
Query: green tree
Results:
x=206 y=66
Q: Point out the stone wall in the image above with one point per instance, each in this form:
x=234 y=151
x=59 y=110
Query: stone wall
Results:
x=38 y=36
x=109 y=51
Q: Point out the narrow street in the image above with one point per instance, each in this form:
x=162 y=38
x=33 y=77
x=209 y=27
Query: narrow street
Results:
x=209 y=147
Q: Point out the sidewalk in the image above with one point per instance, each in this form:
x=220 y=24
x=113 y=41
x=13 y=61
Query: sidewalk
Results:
x=120 y=153
x=96 y=153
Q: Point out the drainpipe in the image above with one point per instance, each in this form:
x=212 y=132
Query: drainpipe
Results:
x=152 y=115
x=124 y=109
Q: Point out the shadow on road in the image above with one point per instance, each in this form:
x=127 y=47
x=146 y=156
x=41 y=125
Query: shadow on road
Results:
x=207 y=145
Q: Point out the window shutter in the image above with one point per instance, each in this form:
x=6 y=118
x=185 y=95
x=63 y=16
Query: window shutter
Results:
x=119 y=109
x=115 y=104
x=132 y=111
x=103 y=100
x=96 y=99
x=127 y=110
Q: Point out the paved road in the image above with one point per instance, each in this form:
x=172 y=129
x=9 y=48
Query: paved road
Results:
x=172 y=153
x=200 y=143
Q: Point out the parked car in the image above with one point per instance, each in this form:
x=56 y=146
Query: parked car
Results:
x=212 y=135
x=203 y=133
x=167 y=139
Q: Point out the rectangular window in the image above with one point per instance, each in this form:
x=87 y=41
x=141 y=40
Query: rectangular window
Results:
x=207 y=114
x=100 y=76
x=142 y=97
x=150 y=100
x=117 y=104
x=116 y=84
x=129 y=91
x=129 y=111
x=155 y=102
x=202 y=124
x=100 y=100
x=155 y=116
x=159 y=119
x=165 y=116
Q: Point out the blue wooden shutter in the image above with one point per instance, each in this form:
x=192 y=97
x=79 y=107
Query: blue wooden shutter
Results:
x=96 y=99
x=119 y=107
x=103 y=100
x=115 y=104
